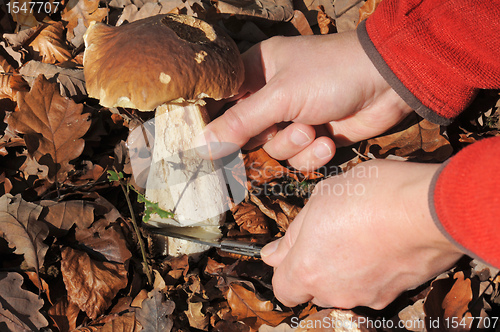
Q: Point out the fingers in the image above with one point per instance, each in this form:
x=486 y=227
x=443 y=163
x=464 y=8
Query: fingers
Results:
x=290 y=141
x=298 y=144
x=244 y=121
x=317 y=154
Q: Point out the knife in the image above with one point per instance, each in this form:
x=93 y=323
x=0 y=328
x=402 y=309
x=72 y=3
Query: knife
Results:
x=200 y=235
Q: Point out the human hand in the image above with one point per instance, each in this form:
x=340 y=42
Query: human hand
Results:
x=305 y=82
x=362 y=239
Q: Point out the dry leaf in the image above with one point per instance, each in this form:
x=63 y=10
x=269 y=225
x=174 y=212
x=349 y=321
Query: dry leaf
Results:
x=325 y=22
x=21 y=228
x=92 y=285
x=278 y=209
x=300 y=23
x=52 y=126
x=213 y=267
x=10 y=81
x=50 y=44
x=196 y=317
x=346 y=14
x=72 y=81
x=367 y=9
x=63 y=215
x=250 y=218
x=415 y=316
x=251 y=310
x=107 y=241
x=64 y=313
x=448 y=298
x=422 y=139
x=124 y=323
x=24 y=18
x=456 y=302
x=283 y=327
x=20 y=308
x=39 y=283
x=261 y=168
x=155 y=312
x=87 y=10
x=179 y=266
x=273 y=10
x=337 y=320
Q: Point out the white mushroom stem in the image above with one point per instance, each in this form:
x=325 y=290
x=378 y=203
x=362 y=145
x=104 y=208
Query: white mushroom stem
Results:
x=179 y=180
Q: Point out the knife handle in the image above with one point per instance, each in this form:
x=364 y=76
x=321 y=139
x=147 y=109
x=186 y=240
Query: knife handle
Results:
x=245 y=248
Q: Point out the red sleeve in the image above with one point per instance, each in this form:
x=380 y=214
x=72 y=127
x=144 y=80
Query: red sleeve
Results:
x=435 y=54
x=465 y=200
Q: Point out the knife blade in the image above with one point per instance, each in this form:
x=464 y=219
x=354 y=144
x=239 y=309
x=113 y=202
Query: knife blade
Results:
x=199 y=235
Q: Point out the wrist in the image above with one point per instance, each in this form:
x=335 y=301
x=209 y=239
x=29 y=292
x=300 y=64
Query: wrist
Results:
x=417 y=198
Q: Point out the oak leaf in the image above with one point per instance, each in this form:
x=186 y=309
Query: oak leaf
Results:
x=91 y=284
x=20 y=226
x=19 y=309
x=50 y=44
x=251 y=310
x=52 y=126
x=155 y=313
x=87 y=11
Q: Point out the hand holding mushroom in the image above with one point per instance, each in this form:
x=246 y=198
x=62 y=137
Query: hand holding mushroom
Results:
x=169 y=63
x=325 y=87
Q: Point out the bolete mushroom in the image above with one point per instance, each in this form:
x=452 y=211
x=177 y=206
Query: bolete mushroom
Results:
x=169 y=63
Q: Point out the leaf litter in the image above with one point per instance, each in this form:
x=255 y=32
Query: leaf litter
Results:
x=69 y=255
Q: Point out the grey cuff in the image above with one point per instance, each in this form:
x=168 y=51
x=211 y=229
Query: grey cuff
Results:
x=394 y=81
x=437 y=222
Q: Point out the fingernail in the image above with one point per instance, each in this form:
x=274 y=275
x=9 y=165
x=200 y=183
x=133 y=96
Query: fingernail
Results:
x=299 y=137
x=269 y=248
x=322 y=151
x=207 y=144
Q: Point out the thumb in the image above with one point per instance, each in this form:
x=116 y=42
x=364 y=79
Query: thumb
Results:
x=275 y=252
x=241 y=122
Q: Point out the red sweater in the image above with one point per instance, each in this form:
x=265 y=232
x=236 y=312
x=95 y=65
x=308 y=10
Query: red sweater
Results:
x=437 y=54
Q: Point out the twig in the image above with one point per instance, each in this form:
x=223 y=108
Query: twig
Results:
x=126 y=191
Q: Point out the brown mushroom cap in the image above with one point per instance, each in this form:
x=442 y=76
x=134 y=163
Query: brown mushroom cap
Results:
x=161 y=59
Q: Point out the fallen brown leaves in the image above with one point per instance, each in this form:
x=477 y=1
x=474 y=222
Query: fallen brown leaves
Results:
x=91 y=285
x=69 y=256
x=52 y=126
